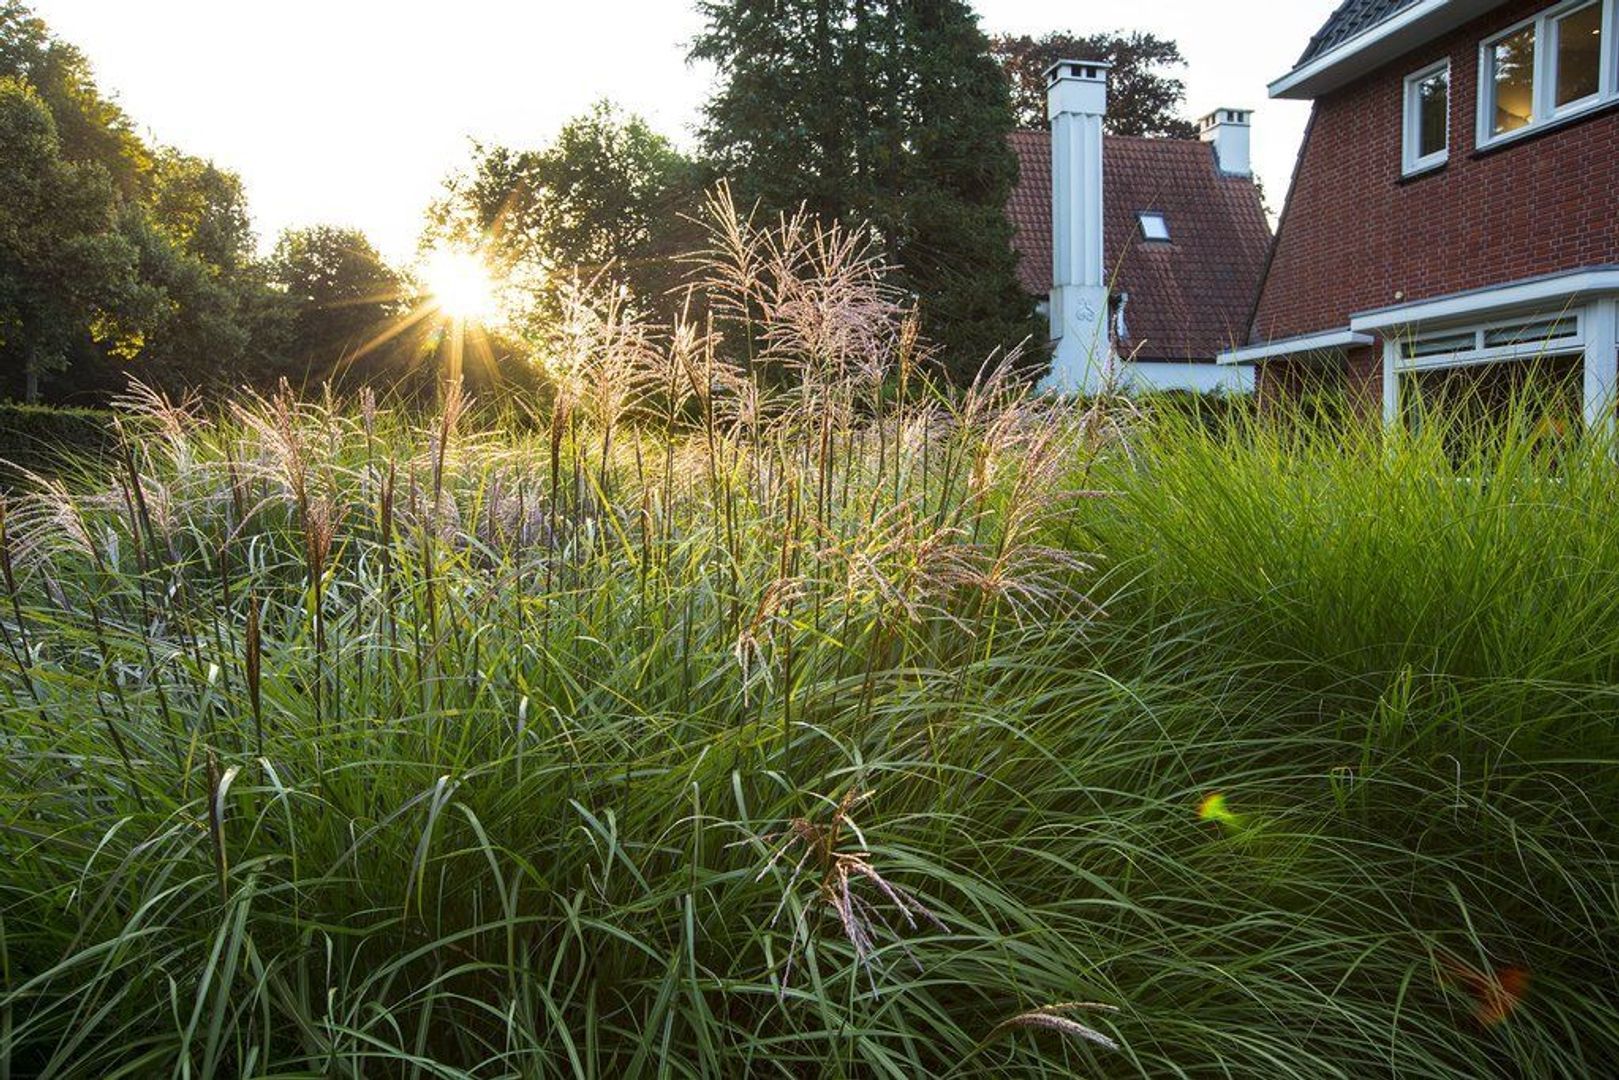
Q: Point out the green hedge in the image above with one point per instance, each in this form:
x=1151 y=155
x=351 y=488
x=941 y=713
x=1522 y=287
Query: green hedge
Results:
x=48 y=440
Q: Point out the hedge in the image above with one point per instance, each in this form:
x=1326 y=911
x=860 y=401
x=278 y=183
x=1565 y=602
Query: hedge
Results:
x=48 y=440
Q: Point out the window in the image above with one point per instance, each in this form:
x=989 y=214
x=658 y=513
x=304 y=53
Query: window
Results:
x=1557 y=64
x=1154 y=226
x=1518 y=339
x=1427 y=118
x=1579 y=55
x=1548 y=331
x=1512 y=73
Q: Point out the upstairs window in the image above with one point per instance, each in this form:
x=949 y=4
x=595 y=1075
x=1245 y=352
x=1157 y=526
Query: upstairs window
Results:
x=1557 y=64
x=1512 y=81
x=1427 y=118
x=1154 y=226
x=1578 y=37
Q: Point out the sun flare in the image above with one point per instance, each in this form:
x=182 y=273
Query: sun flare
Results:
x=460 y=285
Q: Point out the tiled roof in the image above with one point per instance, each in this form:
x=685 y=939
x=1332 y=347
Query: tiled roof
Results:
x=1352 y=17
x=1030 y=210
x=1189 y=298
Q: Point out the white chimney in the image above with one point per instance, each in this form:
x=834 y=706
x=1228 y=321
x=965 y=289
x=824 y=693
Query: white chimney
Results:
x=1231 y=130
x=1076 y=96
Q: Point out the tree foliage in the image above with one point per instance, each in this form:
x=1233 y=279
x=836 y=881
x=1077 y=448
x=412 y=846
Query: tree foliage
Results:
x=121 y=257
x=608 y=199
x=89 y=126
x=1144 y=96
x=67 y=271
x=890 y=113
x=343 y=300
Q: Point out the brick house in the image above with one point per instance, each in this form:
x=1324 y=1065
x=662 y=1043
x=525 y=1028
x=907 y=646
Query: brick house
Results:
x=1148 y=252
x=1455 y=208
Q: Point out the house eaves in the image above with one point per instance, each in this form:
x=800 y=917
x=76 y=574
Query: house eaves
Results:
x=1368 y=50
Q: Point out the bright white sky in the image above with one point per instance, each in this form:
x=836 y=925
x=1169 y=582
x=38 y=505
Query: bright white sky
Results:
x=352 y=112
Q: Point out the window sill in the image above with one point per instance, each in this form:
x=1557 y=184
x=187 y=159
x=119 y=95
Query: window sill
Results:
x=1546 y=127
x=1420 y=172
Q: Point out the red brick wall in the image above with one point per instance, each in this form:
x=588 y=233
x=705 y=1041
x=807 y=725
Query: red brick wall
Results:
x=1282 y=381
x=1365 y=371
x=1355 y=236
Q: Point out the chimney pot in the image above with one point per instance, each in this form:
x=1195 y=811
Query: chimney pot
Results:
x=1230 y=131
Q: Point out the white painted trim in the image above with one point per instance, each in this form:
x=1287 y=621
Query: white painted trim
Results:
x=1146 y=376
x=1601 y=383
x=1391 y=382
x=1310 y=343
x=1529 y=350
x=1378 y=45
x=1539 y=291
x=1413 y=164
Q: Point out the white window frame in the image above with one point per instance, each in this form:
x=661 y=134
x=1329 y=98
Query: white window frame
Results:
x=1161 y=218
x=1566 y=344
x=1545 y=109
x=1412 y=162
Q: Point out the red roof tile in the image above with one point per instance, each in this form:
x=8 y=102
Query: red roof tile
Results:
x=1190 y=298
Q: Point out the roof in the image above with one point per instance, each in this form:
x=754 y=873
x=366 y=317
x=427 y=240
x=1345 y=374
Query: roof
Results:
x=1189 y=298
x=1352 y=18
x=1363 y=35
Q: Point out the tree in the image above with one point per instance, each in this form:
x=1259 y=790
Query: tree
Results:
x=796 y=79
x=956 y=241
x=89 y=127
x=68 y=273
x=889 y=113
x=342 y=299
x=177 y=224
x=1143 y=98
x=194 y=335
x=608 y=196
x=202 y=209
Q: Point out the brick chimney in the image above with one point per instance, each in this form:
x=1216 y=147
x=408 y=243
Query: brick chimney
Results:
x=1230 y=131
x=1076 y=96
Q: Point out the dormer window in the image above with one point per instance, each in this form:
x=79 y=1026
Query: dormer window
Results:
x=1556 y=65
x=1154 y=226
x=1427 y=118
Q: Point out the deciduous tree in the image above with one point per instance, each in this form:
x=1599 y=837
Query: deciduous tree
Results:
x=1144 y=96
x=343 y=298
x=607 y=197
x=68 y=273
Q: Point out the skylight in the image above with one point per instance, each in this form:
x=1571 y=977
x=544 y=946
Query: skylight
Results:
x=1154 y=226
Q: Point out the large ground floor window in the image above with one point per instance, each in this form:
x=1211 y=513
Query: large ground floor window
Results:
x=1483 y=405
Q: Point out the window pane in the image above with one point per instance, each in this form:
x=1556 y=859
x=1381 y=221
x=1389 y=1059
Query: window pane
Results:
x=1441 y=345
x=1433 y=114
x=1579 y=55
x=1514 y=65
x=1531 y=333
x=1154 y=227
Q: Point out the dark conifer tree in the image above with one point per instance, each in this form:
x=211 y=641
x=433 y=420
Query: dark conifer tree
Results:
x=890 y=113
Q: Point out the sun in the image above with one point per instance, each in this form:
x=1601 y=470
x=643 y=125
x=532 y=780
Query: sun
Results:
x=460 y=285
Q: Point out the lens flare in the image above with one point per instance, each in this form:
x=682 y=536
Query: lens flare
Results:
x=1214 y=808
x=460 y=285
x=1496 y=995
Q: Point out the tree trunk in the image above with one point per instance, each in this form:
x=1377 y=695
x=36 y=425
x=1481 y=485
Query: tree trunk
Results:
x=31 y=374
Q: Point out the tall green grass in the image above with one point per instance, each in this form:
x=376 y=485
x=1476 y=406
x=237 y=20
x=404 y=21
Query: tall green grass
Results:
x=557 y=788
x=714 y=726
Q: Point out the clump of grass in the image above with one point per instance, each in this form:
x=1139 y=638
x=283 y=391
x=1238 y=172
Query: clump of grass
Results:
x=386 y=745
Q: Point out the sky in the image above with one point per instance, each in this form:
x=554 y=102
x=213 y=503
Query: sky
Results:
x=353 y=112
